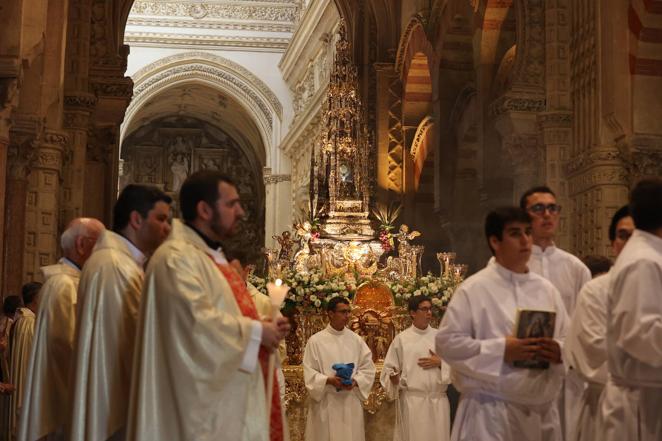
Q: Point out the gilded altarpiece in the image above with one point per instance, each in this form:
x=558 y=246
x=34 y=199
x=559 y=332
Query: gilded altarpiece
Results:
x=165 y=152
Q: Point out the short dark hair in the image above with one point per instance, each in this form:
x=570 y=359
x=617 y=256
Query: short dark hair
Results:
x=530 y=191
x=11 y=304
x=136 y=197
x=29 y=291
x=200 y=186
x=646 y=204
x=622 y=212
x=415 y=301
x=597 y=264
x=497 y=219
x=331 y=305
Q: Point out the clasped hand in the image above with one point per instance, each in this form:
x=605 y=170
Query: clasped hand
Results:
x=526 y=349
x=273 y=331
x=338 y=384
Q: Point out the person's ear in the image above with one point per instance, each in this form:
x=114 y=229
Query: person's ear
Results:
x=135 y=220
x=204 y=211
x=79 y=245
x=494 y=243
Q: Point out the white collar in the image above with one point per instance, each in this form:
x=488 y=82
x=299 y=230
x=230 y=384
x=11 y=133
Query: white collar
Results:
x=420 y=331
x=511 y=275
x=68 y=262
x=137 y=255
x=535 y=249
x=334 y=331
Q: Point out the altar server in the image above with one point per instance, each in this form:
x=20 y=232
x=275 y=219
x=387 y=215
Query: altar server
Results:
x=499 y=401
x=415 y=376
x=201 y=348
x=47 y=386
x=586 y=346
x=632 y=401
x=566 y=272
x=107 y=309
x=20 y=344
x=335 y=412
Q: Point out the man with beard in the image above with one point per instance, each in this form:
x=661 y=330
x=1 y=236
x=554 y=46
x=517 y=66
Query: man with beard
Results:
x=202 y=351
x=107 y=310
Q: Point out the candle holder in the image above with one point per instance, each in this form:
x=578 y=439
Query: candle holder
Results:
x=459 y=271
x=445 y=259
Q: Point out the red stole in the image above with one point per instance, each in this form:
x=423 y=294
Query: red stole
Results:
x=247 y=307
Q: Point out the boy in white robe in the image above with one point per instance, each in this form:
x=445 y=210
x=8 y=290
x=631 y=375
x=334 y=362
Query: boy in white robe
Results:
x=585 y=346
x=566 y=272
x=107 y=310
x=335 y=412
x=631 y=405
x=415 y=376
x=500 y=402
x=47 y=387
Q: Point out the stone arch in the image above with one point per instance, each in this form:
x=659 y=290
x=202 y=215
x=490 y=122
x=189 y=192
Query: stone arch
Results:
x=254 y=97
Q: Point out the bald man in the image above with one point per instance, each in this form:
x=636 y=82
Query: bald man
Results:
x=47 y=387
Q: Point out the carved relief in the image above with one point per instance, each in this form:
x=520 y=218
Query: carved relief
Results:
x=271 y=11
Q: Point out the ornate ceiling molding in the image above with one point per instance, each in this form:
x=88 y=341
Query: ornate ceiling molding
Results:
x=212 y=41
x=187 y=23
x=235 y=69
x=278 y=11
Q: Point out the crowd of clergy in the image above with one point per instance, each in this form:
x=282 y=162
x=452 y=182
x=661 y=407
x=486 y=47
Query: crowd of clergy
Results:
x=149 y=331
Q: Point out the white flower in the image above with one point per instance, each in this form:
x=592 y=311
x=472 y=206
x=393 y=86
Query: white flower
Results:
x=318 y=303
x=345 y=294
x=417 y=292
x=424 y=291
x=313 y=298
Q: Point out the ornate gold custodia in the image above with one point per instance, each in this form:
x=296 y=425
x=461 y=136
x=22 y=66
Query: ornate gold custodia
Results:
x=341 y=186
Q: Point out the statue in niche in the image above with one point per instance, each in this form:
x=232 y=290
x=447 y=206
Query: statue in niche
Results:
x=180 y=170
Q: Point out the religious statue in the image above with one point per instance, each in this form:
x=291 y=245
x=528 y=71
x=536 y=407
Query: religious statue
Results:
x=180 y=169
x=403 y=237
x=286 y=243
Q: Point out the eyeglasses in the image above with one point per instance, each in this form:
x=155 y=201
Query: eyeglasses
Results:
x=541 y=208
x=343 y=311
x=425 y=308
x=623 y=234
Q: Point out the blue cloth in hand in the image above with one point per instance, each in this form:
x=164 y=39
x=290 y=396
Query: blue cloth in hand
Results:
x=344 y=371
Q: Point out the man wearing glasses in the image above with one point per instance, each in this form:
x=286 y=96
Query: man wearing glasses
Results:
x=415 y=376
x=586 y=344
x=566 y=272
x=334 y=408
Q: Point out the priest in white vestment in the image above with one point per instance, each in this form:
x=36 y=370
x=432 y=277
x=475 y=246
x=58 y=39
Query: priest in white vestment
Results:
x=46 y=397
x=335 y=412
x=566 y=272
x=107 y=309
x=631 y=405
x=501 y=402
x=198 y=372
x=585 y=346
x=20 y=344
x=10 y=307
x=415 y=376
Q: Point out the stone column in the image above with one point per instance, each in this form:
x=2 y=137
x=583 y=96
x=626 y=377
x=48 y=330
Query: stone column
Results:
x=42 y=210
x=388 y=115
x=557 y=138
x=22 y=152
x=9 y=80
x=521 y=143
x=77 y=110
x=278 y=204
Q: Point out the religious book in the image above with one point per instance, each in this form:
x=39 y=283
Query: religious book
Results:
x=534 y=324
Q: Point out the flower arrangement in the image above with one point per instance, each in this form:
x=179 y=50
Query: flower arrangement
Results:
x=439 y=289
x=312 y=290
x=386 y=217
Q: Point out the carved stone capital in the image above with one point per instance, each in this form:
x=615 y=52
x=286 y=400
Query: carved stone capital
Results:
x=51 y=148
x=275 y=179
x=592 y=158
x=24 y=137
x=113 y=87
x=555 y=120
x=511 y=102
x=642 y=156
x=80 y=101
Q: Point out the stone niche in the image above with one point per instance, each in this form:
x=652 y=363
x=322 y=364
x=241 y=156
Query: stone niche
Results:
x=166 y=151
